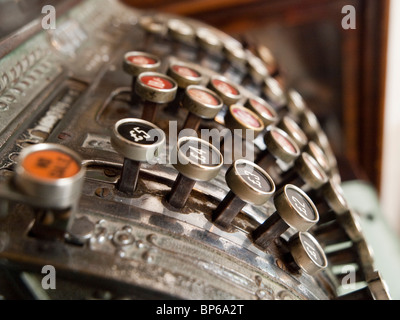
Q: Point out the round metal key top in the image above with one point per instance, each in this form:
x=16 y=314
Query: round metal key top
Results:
x=294 y=209
x=307 y=253
x=279 y=147
x=329 y=200
x=136 y=62
x=244 y=120
x=52 y=173
x=263 y=109
x=209 y=43
x=184 y=76
x=228 y=91
x=306 y=171
x=316 y=152
x=154 y=89
x=195 y=160
x=296 y=104
x=180 y=31
x=154 y=30
x=288 y=125
x=137 y=141
x=235 y=56
x=275 y=93
x=201 y=103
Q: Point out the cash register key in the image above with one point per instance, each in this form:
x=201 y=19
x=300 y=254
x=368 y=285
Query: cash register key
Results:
x=279 y=147
x=154 y=89
x=296 y=104
x=290 y=126
x=316 y=152
x=227 y=90
x=306 y=171
x=137 y=141
x=274 y=93
x=235 y=56
x=180 y=31
x=154 y=30
x=245 y=120
x=195 y=160
x=201 y=103
x=52 y=173
x=136 y=62
x=248 y=183
x=184 y=76
x=263 y=109
x=307 y=253
x=208 y=42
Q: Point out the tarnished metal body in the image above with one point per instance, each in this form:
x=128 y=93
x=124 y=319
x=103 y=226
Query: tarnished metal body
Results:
x=68 y=87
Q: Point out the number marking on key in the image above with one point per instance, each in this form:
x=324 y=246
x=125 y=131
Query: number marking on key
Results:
x=139 y=135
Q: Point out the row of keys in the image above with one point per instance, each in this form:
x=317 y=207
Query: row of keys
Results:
x=43 y=167
x=204 y=104
x=278 y=141
x=273 y=90
x=56 y=172
x=235 y=54
x=297 y=140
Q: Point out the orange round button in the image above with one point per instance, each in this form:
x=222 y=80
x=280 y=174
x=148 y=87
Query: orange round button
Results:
x=50 y=165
